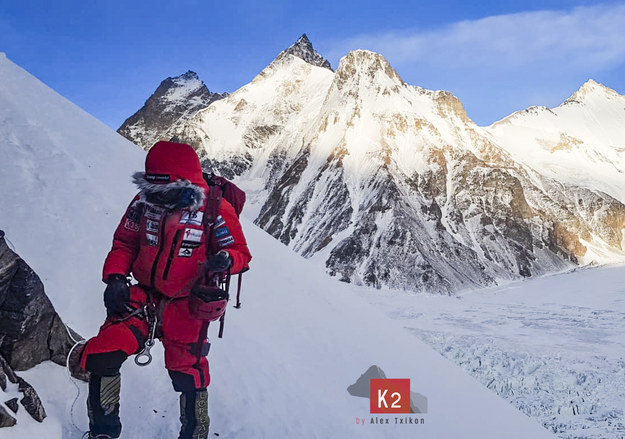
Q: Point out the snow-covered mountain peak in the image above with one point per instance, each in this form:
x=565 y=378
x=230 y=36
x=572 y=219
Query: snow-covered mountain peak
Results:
x=175 y=88
x=303 y=49
x=592 y=90
x=175 y=100
x=365 y=71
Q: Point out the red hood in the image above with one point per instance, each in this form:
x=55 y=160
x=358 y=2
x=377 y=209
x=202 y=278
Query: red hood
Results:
x=167 y=162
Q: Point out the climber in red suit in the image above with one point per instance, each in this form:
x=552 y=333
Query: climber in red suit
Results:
x=164 y=242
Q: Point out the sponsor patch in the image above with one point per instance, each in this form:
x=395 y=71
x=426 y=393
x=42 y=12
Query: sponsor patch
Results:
x=152 y=226
x=133 y=214
x=192 y=218
x=154 y=213
x=219 y=221
x=152 y=239
x=185 y=244
x=226 y=241
x=192 y=235
x=131 y=225
x=158 y=178
x=221 y=232
x=185 y=252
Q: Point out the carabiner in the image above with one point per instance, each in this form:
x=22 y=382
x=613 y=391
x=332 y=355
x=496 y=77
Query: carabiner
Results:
x=145 y=352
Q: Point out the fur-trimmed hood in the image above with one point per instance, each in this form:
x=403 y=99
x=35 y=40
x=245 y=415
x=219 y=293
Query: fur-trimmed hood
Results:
x=179 y=194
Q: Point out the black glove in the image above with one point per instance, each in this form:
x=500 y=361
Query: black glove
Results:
x=218 y=262
x=117 y=294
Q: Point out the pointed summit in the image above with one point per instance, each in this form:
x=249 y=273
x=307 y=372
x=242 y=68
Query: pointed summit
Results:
x=591 y=88
x=175 y=100
x=303 y=49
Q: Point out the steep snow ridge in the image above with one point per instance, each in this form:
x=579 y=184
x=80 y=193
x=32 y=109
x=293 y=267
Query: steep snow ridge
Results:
x=65 y=184
x=581 y=142
x=259 y=119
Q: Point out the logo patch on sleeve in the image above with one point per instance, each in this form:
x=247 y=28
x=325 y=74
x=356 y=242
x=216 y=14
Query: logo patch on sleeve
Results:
x=152 y=226
x=222 y=232
x=225 y=241
x=133 y=214
x=219 y=221
x=131 y=225
x=152 y=239
x=192 y=218
x=192 y=235
x=185 y=252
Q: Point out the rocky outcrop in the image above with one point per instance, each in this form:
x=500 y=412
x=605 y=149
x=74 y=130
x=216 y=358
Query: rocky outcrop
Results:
x=30 y=329
x=30 y=400
x=30 y=332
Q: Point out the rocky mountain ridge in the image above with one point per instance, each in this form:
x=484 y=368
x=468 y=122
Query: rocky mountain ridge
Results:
x=393 y=186
x=177 y=99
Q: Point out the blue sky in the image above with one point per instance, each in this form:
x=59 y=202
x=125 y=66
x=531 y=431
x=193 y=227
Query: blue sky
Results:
x=108 y=56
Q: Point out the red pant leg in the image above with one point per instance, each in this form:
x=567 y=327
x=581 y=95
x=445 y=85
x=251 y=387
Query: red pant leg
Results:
x=104 y=353
x=186 y=346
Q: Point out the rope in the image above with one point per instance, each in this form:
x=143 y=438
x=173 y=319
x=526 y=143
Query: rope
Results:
x=71 y=378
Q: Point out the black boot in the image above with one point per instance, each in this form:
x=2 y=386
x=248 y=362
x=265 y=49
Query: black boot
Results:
x=103 y=406
x=194 y=414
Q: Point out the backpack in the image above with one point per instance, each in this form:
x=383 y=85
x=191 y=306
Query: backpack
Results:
x=221 y=188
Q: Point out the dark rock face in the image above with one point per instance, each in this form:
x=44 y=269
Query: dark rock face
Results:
x=12 y=404
x=172 y=104
x=30 y=401
x=30 y=329
x=30 y=332
x=303 y=49
x=6 y=420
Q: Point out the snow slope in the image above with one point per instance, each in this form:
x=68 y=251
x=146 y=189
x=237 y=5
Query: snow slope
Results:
x=65 y=184
x=284 y=365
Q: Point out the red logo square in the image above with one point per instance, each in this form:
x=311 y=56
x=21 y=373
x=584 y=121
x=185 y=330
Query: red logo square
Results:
x=390 y=395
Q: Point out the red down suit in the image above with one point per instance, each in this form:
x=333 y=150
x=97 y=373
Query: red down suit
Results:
x=164 y=248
